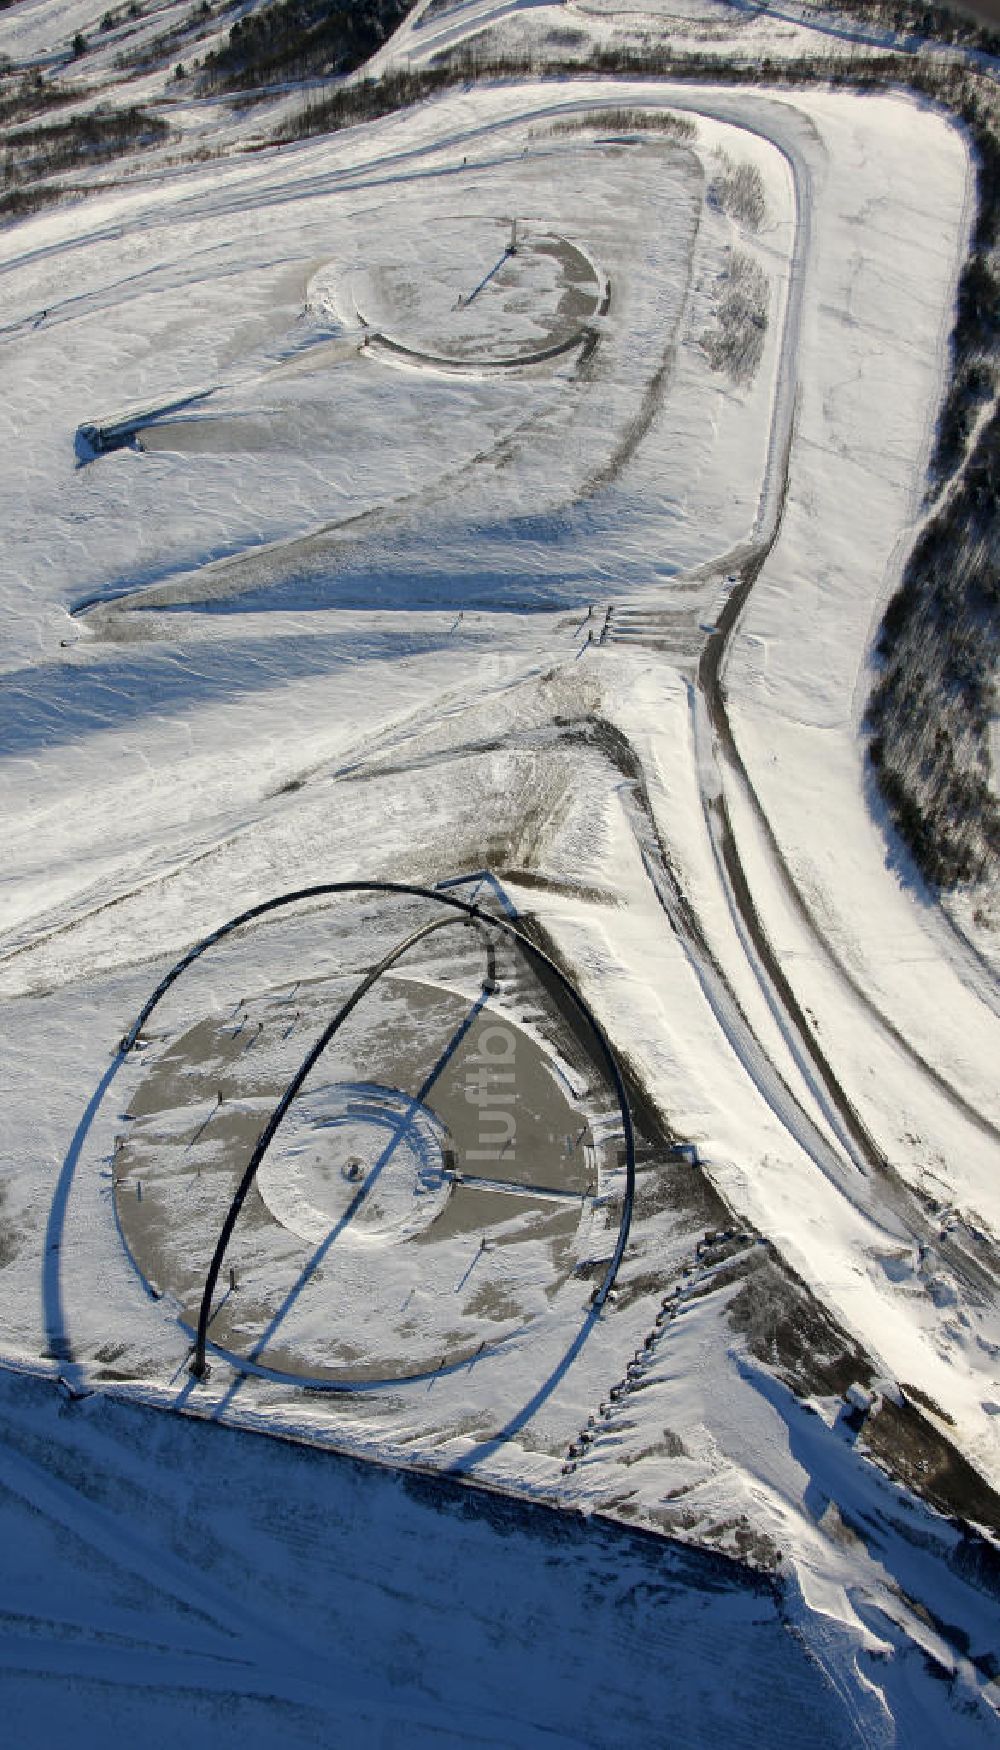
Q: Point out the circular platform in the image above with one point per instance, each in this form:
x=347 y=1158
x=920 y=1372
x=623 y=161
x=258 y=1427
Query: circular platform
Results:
x=432 y=1186
x=475 y=296
x=366 y=1160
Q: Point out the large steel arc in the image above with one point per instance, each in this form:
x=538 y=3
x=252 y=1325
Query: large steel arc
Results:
x=266 y=1137
x=472 y=914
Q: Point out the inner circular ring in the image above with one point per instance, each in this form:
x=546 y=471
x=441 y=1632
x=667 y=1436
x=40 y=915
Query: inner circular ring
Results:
x=358 y=1160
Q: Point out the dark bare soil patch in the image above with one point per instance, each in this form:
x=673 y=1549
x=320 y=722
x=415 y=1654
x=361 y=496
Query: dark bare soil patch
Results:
x=531 y=878
x=911 y=1448
x=926 y=1402
x=787 y=1329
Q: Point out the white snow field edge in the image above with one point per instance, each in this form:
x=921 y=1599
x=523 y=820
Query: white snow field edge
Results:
x=188 y=725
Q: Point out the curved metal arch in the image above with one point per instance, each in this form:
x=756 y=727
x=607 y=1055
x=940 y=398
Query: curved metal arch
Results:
x=199 y=1366
x=471 y=911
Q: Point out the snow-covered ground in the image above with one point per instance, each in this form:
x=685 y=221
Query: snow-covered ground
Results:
x=275 y=1595
x=411 y=562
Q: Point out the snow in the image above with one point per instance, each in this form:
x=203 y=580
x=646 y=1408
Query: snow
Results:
x=345 y=617
x=273 y=1592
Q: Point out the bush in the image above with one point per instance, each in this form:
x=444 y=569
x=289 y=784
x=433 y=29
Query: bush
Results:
x=20 y=203
x=628 y=121
x=28 y=98
x=738 y=189
x=735 y=343
x=42 y=151
x=363 y=102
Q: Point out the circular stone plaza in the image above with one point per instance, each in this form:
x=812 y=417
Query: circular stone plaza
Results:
x=425 y=1175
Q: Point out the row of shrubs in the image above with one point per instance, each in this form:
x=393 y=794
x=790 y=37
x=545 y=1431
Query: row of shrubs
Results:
x=627 y=121
x=152 y=51
x=738 y=189
x=20 y=203
x=32 y=153
x=28 y=95
x=364 y=101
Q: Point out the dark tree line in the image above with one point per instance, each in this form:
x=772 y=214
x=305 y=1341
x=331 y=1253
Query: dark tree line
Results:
x=292 y=39
x=85 y=139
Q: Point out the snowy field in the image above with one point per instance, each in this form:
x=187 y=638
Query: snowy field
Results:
x=276 y=1596
x=511 y=485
